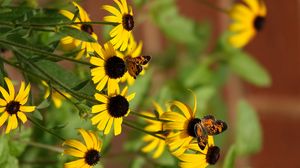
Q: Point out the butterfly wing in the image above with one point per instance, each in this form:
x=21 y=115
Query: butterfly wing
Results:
x=212 y=126
x=202 y=137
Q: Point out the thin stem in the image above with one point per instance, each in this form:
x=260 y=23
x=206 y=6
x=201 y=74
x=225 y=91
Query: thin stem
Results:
x=55 y=80
x=213 y=6
x=148 y=117
x=45 y=129
x=9 y=43
x=43 y=146
x=141 y=130
x=22 y=69
x=29 y=25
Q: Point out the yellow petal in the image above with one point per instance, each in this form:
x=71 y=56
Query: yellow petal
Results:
x=184 y=108
x=102 y=83
x=102 y=98
x=75 y=164
x=112 y=10
x=130 y=97
x=87 y=139
x=98 y=117
x=99 y=108
x=97 y=61
x=5 y=94
x=118 y=126
x=9 y=125
x=10 y=88
x=3 y=118
x=108 y=126
x=159 y=150
x=76 y=144
x=3 y=102
x=22 y=117
x=27 y=108
x=74 y=152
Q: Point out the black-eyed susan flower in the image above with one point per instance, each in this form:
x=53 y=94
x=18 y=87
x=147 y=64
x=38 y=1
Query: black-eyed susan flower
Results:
x=248 y=19
x=55 y=96
x=154 y=144
x=124 y=23
x=182 y=125
x=209 y=156
x=88 y=153
x=109 y=68
x=70 y=43
x=13 y=107
x=134 y=61
x=111 y=111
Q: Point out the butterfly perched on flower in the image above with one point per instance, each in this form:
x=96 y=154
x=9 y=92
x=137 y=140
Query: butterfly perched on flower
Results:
x=208 y=125
x=135 y=64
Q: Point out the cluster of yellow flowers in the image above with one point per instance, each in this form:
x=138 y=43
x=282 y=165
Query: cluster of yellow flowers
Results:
x=119 y=61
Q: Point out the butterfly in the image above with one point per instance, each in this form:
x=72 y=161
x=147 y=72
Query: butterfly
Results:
x=134 y=65
x=208 y=125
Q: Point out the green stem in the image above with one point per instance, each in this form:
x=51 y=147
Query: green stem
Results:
x=148 y=117
x=9 y=43
x=55 y=80
x=29 y=25
x=213 y=6
x=141 y=130
x=45 y=129
x=22 y=69
x=43 y=146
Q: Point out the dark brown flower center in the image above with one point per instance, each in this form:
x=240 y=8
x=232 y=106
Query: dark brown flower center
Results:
x=128 y=22
x=213 y=154
x=115 y=67
x=259 y=23
x=87 y=28
x=191 y=126
x=13 y=107
x=118 y=106
x=92 y=157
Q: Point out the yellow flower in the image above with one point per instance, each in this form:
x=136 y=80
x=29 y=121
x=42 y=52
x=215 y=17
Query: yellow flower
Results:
x=111 y=111
x=70 y=43
x=13 y=108
x=248 y=19
x=125 y=23
x=134 y=50
x=182 y=125
x=88 y=153
x=55 y=96
x=109 y=68
x=154 y=144
x=209 y=156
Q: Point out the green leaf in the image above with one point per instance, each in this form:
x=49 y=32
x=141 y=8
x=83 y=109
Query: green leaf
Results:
x=12 y=162
x=17 y=147
x=4 y=149
x=247 y=68
x=192 y=76
x=80 y=35
x=44 y=104
x=248 y=132
x=138 y=162
x=176 y=27
x=230 y=157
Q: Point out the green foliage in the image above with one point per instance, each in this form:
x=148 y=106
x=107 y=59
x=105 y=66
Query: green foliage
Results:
x=177 y=27
x=248 y=130
x=70 y=31
x=247 y=68
x=230 y=157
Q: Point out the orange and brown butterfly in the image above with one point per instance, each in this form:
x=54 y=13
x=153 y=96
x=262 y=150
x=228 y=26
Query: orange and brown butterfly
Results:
x=208 y=125
x=135 y=65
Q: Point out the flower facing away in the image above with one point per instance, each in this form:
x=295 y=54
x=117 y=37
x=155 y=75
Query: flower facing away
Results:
x=181 y=124
x=70 y=43
x=154 y=144
x=134 y=61
x=124 y=23
x=109 y=68
x=88 y=153
x=111 y=111
x=248 y=19
x=55 y=96
x=13 y=107
x=209 y=156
